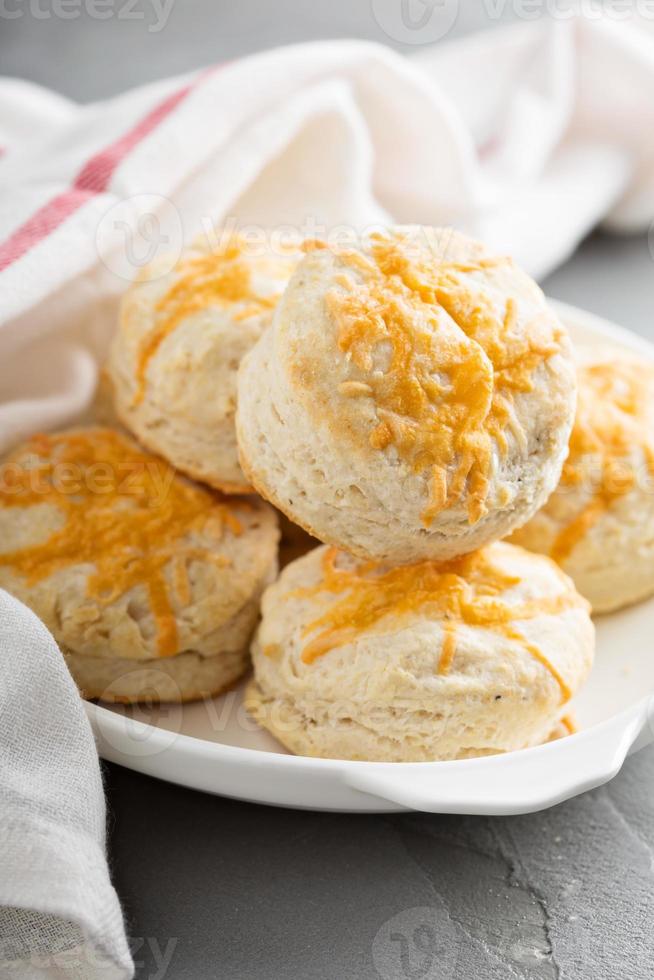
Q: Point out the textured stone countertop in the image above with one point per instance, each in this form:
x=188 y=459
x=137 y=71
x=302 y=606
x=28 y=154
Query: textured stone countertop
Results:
x=213 y=888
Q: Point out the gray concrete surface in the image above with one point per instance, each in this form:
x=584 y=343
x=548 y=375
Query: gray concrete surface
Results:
x=88 y=58
x=217 y=889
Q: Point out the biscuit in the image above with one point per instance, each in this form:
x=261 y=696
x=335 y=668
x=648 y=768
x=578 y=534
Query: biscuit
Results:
x=175 y=355
x=149 y=583
x=599 y=523
x=413 y=398
x=474 y=656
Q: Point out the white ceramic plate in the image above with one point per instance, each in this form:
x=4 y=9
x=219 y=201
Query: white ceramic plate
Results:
x=214 y=746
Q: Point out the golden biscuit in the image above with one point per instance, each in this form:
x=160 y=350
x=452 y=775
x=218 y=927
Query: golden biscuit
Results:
x=599 y=523
x=180 y=339
x=149 y=583
x=412 y=399
x=477 y=655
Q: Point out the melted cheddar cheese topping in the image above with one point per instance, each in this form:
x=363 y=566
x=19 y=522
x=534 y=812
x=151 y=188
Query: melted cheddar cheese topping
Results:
x=442 y=366
x=125 y=514
x=222 y=279
x=615 y=414
x=466 y=591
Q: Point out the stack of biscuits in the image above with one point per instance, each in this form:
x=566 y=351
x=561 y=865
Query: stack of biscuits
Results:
x=404 y=402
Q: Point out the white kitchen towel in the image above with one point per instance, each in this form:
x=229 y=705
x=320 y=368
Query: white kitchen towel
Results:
x=526 y=136
x=59 y=914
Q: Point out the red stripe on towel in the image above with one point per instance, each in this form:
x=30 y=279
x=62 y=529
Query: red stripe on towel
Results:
x=93 y=179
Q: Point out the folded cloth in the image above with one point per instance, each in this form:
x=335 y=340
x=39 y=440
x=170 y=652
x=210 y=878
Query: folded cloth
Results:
x=527 y=137
x=59 y=914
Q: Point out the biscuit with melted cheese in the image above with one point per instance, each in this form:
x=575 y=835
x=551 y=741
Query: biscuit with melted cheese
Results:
x=470 y=657
x=181 y=336
x=599 y=523
x=413 y=398
x=149 y=583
